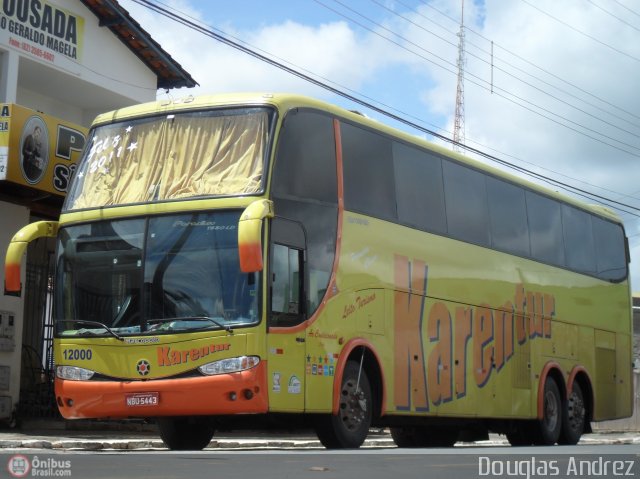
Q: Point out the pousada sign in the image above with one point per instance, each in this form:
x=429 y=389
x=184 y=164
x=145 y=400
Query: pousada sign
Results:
x=42 y=29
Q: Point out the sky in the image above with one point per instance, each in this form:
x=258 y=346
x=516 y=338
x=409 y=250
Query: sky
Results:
x=550 y=86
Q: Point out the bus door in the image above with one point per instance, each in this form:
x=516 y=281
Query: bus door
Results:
x=286 y=342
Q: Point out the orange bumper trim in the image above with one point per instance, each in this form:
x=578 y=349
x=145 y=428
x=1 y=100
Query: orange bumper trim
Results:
x=236 y=393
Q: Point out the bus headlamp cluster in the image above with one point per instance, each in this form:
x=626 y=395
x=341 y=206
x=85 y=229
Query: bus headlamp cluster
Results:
x=74 y=373
x=230 y=365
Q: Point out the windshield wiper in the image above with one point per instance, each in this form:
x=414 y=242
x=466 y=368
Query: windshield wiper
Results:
x=96 y=323
x=226 y=327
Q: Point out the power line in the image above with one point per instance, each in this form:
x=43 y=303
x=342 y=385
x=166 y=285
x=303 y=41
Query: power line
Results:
x=521 y=58
x=581 y=32
x=613 y=15
x=225 y=40
x=554 y=97
x=627 y=8
x=507 y=95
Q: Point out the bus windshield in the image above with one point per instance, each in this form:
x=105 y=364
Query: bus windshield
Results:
x=174 y=156
x=165 y=274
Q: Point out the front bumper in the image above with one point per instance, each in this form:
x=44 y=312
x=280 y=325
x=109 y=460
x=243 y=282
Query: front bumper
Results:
x=235 y=393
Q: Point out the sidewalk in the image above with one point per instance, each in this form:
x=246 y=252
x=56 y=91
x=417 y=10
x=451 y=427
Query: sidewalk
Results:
x=54 y=435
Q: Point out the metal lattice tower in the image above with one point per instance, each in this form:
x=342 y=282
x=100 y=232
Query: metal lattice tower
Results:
x=458 y=122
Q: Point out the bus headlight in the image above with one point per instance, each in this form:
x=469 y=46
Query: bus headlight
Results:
x=230 y=365
x=74 y=373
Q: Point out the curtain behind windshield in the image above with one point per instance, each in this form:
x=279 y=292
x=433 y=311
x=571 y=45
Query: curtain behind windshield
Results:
x=171 y=157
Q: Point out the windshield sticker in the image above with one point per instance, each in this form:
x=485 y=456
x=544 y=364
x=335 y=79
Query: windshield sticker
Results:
x=103 y=151
x=171 y=357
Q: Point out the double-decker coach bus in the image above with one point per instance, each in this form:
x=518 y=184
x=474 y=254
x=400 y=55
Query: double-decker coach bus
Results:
x=254 y=260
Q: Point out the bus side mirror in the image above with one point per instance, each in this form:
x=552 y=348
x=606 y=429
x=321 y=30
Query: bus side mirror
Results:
x=17 y=248
x=250 y=235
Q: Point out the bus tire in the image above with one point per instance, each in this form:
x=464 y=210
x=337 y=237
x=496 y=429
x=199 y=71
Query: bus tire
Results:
x=549 y=427
x=419 y=436
x=349 y=428
x=573 y=417
x=185 y=433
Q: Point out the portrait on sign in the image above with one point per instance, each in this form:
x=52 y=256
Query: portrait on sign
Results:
x=34 y=149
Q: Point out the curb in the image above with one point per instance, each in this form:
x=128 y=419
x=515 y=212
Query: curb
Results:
x=253 y=444
x=145 y=444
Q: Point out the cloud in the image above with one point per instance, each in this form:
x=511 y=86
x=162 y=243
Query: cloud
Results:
x=563 y=104
x=329 y=51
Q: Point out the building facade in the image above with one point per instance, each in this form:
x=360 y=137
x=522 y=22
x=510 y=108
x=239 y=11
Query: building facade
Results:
x=61 y=63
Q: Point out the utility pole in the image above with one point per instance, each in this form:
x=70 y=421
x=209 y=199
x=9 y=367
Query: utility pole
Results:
x=458 y=122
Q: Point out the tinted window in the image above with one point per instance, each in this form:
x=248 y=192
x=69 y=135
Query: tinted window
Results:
x=320 y=225
x=508 y=212
x=287 y=307
x=466 y=201
x=419 y=188
x=545 y=229
x=611 y=257
x=368 y=172
x=304 y=189
x=306 y=160
x=579 y=246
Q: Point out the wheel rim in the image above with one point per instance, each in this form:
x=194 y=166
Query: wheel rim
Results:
x=575 y=412
x=353 y=405
x=551 y=411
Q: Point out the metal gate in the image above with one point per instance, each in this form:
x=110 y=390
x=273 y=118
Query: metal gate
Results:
x=37 y=397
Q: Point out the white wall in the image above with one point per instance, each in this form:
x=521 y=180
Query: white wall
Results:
x=50 y=105
x=106 y=75
x=107 y=62
x=13 y=217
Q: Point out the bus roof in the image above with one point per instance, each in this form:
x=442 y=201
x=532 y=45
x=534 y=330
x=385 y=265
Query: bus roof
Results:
x=286 y=101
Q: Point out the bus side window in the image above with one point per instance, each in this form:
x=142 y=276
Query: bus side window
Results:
x=287 y=304
x=287 y=271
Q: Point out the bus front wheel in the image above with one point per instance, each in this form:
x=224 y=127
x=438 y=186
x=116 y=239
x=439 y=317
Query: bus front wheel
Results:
x=185 y=433
x=349 y=428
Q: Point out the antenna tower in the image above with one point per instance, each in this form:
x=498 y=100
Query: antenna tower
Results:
x=458 y=122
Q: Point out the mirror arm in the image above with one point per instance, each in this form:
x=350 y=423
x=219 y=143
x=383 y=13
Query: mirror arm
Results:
x=16 y=249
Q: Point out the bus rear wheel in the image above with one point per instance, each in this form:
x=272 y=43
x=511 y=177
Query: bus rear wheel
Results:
x=185 y=433
x=548 y=428
x=573 y=417
x=349 y=428
x=423 y=436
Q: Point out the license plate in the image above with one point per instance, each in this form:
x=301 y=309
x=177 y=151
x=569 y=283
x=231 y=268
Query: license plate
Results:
x=142 y=399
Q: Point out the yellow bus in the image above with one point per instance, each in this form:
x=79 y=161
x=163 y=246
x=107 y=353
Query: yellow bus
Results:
x=264 y=260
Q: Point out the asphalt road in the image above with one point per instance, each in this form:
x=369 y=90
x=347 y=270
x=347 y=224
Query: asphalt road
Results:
x=582 y=461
